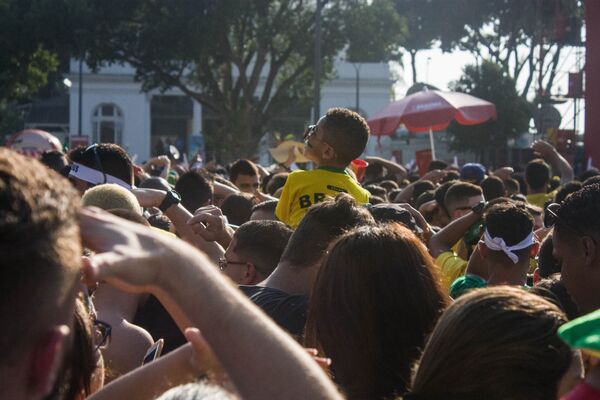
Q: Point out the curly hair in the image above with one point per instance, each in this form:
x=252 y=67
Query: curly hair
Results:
x=347 y=132
x=581 y=209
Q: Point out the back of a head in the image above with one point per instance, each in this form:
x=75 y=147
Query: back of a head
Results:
x=378 y=294
x=566 y=190
x=110 y=196
x=238 y=208
x=512 y=186
x=108 y=158
x=262 y=243
x=591 y=180
x=376 y=190
x=437 y=164
x=40 y=250
x=459 y=193
x=55 y=160
x=547 y=264
x=494 y=343
x=493 y=187
x=440 y=193
x=509 y=222
x=242 y=167
x=322 y=223
x=472 y=172
x=588 y=174
x=421 y=187
x=347 y=132
x=196 y=191
x=537 y=174
x=264 y=210
x=202 y=390
x=276 y=182
x=581 y=210
x=388 y=212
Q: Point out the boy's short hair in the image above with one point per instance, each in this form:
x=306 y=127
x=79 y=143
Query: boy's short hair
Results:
x=115 y=161
x=493 y=187
x=509 y=222
x=347 y=132
x=537 y=174
x=242 y=167
x=196 y=191
x=512 y=186
x=262 y=242
x=108 y=196
x=322 y=223
x=458 y=192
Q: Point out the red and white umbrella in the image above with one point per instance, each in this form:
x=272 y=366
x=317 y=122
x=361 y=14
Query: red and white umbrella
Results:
x=431 y=110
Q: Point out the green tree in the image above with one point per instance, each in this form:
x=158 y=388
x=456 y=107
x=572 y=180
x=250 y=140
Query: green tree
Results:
x=246 y=61
x=489 y=82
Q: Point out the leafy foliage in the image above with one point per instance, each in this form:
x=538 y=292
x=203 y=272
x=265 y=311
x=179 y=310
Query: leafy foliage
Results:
x=489 y=82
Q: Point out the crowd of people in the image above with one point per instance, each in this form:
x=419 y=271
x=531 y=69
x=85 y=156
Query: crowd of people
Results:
x=176 y=281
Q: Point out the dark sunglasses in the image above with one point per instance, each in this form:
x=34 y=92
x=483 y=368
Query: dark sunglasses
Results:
x=309 y=131
x=551 y=218
x=102 y=334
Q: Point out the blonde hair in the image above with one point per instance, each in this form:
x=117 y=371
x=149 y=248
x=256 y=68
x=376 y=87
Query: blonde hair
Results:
x=109 y=196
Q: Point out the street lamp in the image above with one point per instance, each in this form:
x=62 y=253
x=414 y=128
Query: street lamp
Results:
x=317 y=103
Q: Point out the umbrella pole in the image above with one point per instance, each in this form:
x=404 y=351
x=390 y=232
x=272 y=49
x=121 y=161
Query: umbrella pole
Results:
x=432 y=144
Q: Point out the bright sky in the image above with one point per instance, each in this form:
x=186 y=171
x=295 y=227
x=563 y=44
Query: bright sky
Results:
x=439 y=69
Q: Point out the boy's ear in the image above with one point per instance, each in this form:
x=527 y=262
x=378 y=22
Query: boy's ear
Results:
x=329 y=153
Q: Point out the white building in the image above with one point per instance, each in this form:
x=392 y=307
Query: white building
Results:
x=114 y=109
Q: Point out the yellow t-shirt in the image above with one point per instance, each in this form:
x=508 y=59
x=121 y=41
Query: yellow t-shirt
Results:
x=451 y=268
x=305 y=188
x=540 y=199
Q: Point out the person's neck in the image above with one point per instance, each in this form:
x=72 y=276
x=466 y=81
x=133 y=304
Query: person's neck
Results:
x=292 y=280
x=326 y=165
x=508 y=274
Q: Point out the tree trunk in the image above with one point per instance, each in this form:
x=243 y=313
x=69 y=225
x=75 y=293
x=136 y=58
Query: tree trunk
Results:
x=413 y=64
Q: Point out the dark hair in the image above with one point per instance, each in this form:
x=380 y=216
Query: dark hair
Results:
x=537 y=174
x=589 y=173
x=522 y=184
x=421 y=187
x=40 y=251
x=591 y=180
x=160 y=221
x=547 y=264
x=425 y=197
x=268 y=206
x=376 y=297
x=238 y=208
x=450 y=177
x=373 y=200
x=374 y=173
x=554 y=290
x=322 y=223
x=54 y=159
x=277 y=181
x=242 y=167
x=509 y=222
x=512 y=185
x=262 y=243
x=115 y=161
x=388 y=213
x=437 y=164
x=494 y=343
x=376 y=190
x=459 y=192
x=492 y=187
x=389 y=185
x=196 y=191
x=347 y=132
x=581 y=210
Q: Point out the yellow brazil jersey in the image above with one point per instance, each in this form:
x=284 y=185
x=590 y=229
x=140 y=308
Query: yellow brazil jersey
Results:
x=305 y=188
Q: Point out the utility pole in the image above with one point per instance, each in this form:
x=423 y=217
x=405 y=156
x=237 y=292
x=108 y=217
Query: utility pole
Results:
x=317 y=103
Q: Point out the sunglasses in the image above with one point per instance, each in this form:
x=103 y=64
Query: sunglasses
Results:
x=223 y=263
x=551 y=218
x=102 y=334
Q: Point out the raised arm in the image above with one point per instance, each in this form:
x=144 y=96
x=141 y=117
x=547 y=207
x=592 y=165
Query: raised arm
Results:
x=137 y=259
x=443 y=240
x=557 y=161
x=391 y=166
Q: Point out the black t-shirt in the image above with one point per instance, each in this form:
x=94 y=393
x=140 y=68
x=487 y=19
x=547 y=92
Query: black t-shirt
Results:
x=153 y=317
x=288 y=311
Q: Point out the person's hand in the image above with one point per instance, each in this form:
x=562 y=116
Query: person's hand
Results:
x=543 y=149
x=323 y=362
x=140 y=173
x=160 y=161
x=210 y=223
x=149 y=197
x=504 y=173
x=435 y=175
x=128 y=256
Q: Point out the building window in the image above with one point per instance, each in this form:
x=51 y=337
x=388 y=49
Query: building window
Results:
x=107 y=124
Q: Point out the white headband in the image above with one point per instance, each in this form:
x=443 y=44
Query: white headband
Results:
x=94 y=177
x=498 y=244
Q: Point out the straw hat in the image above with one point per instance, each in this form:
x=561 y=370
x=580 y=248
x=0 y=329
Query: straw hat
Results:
x=282 y=151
